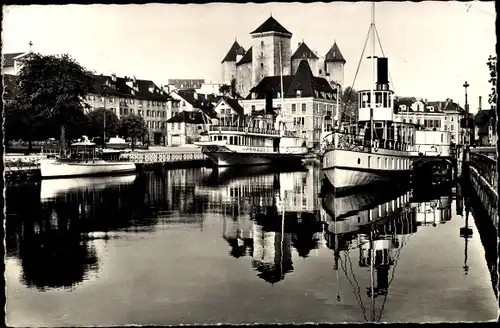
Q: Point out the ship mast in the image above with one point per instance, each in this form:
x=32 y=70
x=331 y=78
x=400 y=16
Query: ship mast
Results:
x=372 y=94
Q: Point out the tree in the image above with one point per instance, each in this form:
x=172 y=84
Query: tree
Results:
x=349 y=107
x=95 y=122
x=133 y=126
x=492 y=65
x=52 y=90
x=15 y=127
x=225 y=89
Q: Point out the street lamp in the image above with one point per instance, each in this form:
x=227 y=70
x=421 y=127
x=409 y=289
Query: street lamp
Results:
x=104 y=88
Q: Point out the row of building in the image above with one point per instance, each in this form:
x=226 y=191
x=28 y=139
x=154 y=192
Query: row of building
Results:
x=304 y=86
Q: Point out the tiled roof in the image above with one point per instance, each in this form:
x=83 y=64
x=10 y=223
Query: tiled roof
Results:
x=334 y=55
x=120 y=88
x=303 y=80
x=303 y=51
x=186 y=83
x=9 y=58
x=235 y=50
x=11 y=87
x=235 y=105
x=188 y=117
x=247 y=58
x=271 y=25
x=204 y=103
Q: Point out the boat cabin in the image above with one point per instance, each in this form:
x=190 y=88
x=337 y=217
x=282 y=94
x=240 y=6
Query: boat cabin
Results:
x=83 y=150
x=383 y=107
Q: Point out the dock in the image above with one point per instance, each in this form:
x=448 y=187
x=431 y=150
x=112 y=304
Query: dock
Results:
x=27 y=167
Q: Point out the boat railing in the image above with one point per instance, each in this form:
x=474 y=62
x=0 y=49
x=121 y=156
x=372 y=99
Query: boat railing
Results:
x=247 y=129
x=350 y=141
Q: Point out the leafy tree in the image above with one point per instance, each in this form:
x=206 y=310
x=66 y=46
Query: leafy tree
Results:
x=349 y=105
x=14 y=125
x=492 y=65
x=133 y=126
x=225 y=89
x=95 y=122
x=51 y=93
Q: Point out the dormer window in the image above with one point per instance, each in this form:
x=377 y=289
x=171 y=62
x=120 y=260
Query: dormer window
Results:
x=299 y=93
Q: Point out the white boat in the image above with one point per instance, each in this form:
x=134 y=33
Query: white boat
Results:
x=83 y=161
x=249 y=145
x=376 y=149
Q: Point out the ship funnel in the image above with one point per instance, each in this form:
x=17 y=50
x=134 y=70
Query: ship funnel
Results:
x=269 y=102
x=382 y=73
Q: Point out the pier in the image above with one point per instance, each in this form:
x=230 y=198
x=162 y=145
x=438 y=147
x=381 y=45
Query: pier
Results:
x=27 y=167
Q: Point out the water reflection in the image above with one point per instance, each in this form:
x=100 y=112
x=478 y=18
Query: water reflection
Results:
x=374 y=227
x=261 y=224
x=266 y=214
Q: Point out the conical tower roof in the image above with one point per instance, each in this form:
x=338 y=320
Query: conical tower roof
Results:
x=235 y=50
x=334 y=55
x=303 y=51
x=271 y=25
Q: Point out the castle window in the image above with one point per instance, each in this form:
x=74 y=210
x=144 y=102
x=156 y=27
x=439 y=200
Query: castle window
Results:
x=261 y=43
x=261 y=65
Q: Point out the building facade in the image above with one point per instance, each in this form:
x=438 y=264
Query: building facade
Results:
x=12 y=62
x=129 y=95
x=431 y=115
x=308 y=101
x=271 y=53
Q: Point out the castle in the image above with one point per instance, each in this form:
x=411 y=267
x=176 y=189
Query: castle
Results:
x=244 y=69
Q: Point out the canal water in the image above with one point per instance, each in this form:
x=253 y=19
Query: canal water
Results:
x=202 y=246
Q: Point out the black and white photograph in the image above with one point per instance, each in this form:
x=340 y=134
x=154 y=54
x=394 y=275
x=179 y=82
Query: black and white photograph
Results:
x=250 y=163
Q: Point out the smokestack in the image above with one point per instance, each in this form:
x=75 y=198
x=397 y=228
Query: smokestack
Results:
x=382 y=74
x=269 y=101
x=480 y=105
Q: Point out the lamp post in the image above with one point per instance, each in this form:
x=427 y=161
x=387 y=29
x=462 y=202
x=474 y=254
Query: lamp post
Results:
x=104 y=88
x=466 y=125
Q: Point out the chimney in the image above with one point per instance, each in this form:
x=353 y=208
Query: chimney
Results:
x=480 y=103
x=382 y=74
x=113 y=77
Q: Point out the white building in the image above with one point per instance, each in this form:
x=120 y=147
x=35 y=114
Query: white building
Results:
x=12 y=62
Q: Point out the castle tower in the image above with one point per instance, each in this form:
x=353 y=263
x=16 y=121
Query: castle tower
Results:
x=303 y=52
x=266 y=50
x=229 y=62
x=334 y=65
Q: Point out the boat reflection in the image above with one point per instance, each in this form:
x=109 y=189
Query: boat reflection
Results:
x=265 y=215
x=375 y=232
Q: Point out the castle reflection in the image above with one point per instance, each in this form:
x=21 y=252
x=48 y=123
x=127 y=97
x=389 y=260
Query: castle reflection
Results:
x=267 y=214
x=56 y=228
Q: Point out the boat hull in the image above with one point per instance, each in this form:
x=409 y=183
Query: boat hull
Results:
x=229 y=158
x=349 y=171
x=54 y=168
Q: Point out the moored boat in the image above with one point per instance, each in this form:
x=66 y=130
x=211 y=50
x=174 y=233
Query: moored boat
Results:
x=83 y=160
x=376 y=149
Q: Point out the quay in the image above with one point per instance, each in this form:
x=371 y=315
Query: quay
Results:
x=26 y=167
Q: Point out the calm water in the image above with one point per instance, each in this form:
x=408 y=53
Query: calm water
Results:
x=196 y=246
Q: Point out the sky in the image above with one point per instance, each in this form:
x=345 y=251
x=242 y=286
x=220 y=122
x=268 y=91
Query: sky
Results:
x=433 y=47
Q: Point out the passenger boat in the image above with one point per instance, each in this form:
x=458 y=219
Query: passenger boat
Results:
x=255 y=143
x=84 y=160
x=377 y=148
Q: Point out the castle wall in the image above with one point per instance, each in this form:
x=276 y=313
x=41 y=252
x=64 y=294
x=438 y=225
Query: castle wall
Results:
x=228 y=72
x=244 y=79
